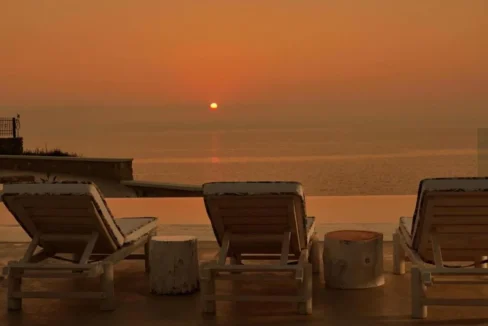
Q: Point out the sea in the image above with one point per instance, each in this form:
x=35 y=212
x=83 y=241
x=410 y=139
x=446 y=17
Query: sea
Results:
x=327 y=161
x=354 y=178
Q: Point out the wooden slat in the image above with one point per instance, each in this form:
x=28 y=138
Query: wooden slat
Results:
x=69 y=274
x=264 y=257
x=466 y=220
x=460 y=211
x=456 y=255
x=255 y=268
x=455 y=218
x=256 y=248
x=265 y=211
x=64 y=295
x=257 y=229
x=255 y=298
x=51 y=201
x=40 y=212
x=56 y=226
x=222 y=208
x=251 y=205
x=254 y=237
x=455 y=302
x=59 y=267
x=63 y=216
x=454 y=229
x=270 y=220
x=53 y=223
x=56 y=219
x=275 y=277
x=65 y=228
x=449 y=198
x=463 y=240
x=252 y=202
x=463 y=281
x=60 y=224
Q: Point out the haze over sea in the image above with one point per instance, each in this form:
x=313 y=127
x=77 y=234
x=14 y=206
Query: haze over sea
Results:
x=328 y=161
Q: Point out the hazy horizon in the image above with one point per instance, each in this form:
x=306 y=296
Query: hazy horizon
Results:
x=307 y=63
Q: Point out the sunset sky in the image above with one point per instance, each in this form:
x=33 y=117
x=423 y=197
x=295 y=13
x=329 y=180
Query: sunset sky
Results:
x=309 y=60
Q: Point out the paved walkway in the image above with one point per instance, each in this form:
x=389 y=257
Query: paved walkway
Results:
x=387 y=305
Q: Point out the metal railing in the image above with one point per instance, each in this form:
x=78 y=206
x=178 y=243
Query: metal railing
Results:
x=9 y=127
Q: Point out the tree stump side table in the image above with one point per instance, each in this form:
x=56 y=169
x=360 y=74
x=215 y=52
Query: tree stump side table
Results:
x=174 y=265
x=353 y=259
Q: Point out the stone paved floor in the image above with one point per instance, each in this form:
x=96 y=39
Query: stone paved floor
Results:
x=387 y=305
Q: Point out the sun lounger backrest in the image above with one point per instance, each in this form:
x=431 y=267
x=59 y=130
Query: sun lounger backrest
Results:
x=457 y=217
x=448 y=184
x=64 y=209
x=257 y=208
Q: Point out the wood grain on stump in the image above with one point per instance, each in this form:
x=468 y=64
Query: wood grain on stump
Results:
x=353 y=259
x=174 y=265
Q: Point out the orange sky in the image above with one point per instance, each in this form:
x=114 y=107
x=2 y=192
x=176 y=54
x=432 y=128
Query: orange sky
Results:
x=326 y=57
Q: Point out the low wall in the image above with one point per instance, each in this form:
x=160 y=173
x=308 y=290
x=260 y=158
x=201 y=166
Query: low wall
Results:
x=159 y=189
x=17 y=179
x=112 y=169
x=11 y=146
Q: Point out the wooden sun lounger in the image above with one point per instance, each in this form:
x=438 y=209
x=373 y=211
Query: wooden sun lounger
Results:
x=71 y=218
x=260 y=221
x=450 y=224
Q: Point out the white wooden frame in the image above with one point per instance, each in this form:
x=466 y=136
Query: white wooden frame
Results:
x=424 y=275
x=34 y=266
x=301 y=273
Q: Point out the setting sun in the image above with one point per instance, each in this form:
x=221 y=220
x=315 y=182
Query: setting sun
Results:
x=214 y=106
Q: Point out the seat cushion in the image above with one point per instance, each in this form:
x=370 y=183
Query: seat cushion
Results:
x=134 y=228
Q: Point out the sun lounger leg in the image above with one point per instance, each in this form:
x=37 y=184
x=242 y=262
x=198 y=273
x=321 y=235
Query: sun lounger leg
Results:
x=147 y=254
x=207 y=287
x=315 y=256
x=236 y=261
x=107 y=282
x=398 y=255
x=305 y=307
x=76 y=258
x=14 y=285
x=419 y=310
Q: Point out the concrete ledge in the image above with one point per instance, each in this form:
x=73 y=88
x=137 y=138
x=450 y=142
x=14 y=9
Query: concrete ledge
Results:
x=159 y=189
x=107 y=168
x=14 y=146
x=17 y=178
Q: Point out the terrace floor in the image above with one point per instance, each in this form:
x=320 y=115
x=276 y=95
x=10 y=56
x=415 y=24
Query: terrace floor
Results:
x=387 y=305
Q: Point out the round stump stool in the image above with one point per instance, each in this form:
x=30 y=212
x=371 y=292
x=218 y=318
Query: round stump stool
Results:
x=353 y=259
x=174 y=265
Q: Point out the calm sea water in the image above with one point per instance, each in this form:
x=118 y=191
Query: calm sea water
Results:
x=326 y=161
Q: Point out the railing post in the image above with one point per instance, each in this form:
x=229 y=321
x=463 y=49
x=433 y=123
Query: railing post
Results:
x=14 y=128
